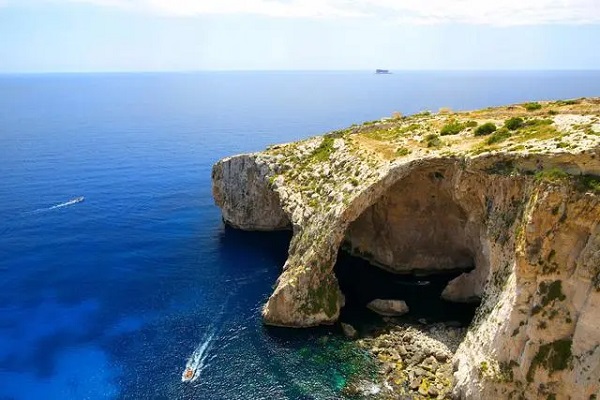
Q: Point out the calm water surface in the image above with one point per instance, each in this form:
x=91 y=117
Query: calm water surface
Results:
x=107 y=298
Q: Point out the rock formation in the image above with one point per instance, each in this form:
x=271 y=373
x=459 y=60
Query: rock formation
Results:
x=437 y=191
x=387 y=307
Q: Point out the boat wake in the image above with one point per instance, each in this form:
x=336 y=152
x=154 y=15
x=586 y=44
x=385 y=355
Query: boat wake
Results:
x=61 y=205
x=197 y=360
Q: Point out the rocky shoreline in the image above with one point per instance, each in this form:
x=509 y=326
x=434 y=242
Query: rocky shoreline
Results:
x=414 y=361
x=510 y=193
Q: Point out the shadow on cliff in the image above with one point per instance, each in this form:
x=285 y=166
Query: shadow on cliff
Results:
x=362 y=282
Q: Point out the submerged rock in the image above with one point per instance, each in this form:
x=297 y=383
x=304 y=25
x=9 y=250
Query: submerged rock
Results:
x=349 y=330
x=389 y=308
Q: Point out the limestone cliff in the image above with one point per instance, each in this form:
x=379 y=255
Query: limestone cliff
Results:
x=511 y=191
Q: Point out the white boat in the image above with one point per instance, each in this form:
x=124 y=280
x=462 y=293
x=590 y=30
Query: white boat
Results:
x=195 y=363
x=189 y=374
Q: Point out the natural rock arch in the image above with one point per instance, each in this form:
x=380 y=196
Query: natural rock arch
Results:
x=538 y=244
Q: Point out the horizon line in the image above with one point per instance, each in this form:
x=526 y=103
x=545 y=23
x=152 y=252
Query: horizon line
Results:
x=192 y=71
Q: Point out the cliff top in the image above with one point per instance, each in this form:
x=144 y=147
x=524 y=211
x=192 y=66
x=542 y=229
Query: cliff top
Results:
x=532 y=127
x=338 y=162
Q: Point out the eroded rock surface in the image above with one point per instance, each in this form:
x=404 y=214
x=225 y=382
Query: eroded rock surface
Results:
x=388 y=307
x=521 y=206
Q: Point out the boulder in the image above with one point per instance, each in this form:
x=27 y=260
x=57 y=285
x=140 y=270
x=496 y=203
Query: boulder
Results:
x=349 y=331
x=389 y=308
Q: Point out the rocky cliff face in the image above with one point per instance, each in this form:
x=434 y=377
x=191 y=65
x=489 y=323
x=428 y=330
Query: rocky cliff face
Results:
x=520 y=205
x=244 y=195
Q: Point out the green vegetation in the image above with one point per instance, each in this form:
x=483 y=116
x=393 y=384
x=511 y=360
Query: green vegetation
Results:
x=499 y=136
x=483 y=366
x=324 y=150
x=471 y=124
x=367 y=123
x=323 y=298
x=485 y=129
x=538 y=129
x=452 y=128
x=538 y=122
x=514 y=123
x=425 y=113
x=532 y=106
x=391 y=133
x=551 y=291
x=424 y=386
x=402 y=151
x=567 y=102
x=548 y=292
x=432 y=140
x=553 y=175
x=588 y=183
x=502 y=168
x=554 y=356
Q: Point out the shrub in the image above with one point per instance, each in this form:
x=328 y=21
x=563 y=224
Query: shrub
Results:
x=402 y=151
x=322 y=152
x=588 y=183
x=551 y=175
x=432 y=140
x=568 y=102
x=499 y=136
x=514 y=123
x=538 y=122
x=452 y=128
x=485 y=129
x=425 y=113
x=532 y=106
x=471 y=124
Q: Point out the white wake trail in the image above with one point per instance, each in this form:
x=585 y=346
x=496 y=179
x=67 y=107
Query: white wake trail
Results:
x=197 y=360
x=60 y=205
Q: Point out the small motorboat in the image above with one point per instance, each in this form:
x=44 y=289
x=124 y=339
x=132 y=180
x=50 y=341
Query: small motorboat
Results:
x=78 y=199
x=189 y=375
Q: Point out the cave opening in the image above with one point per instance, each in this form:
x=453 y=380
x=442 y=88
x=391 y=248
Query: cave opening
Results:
x=409 y=244
x=361 y=282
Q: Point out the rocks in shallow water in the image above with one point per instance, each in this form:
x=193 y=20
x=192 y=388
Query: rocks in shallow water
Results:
x=415 y=361
x=388 y=307
x=349 y=330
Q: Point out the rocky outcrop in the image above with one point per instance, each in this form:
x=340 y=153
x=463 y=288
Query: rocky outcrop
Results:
x=387 y=307
x=414 y=361
x=520 y=206
x=349 y=330
x=242 y=178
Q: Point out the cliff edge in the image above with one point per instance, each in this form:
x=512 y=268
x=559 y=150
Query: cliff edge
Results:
x=513 y=191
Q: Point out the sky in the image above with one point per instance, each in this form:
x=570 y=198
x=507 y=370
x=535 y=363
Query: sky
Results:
x=192 y=35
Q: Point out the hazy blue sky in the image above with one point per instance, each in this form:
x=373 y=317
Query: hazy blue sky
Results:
x=151 y=35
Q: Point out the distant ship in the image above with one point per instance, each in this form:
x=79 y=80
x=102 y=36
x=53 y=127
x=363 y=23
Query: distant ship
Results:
x=382 y=71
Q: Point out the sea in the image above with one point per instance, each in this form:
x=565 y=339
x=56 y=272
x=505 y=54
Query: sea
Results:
x=108 y=296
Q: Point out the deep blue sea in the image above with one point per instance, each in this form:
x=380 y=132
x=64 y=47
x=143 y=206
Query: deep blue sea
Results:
x=107 y=298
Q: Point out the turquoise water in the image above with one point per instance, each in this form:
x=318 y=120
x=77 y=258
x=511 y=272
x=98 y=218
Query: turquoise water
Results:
x=107 y=298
